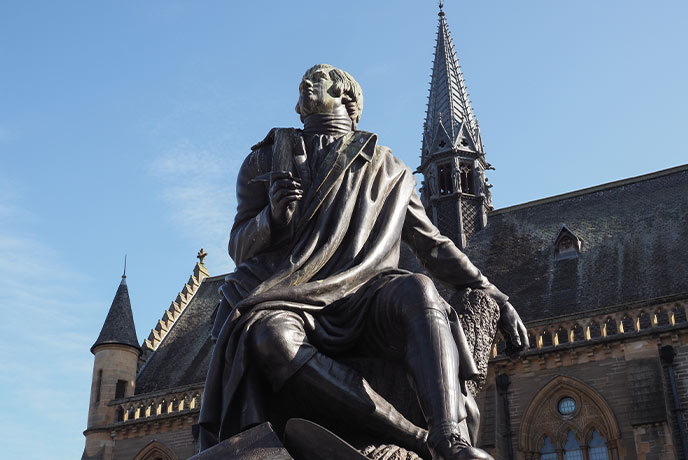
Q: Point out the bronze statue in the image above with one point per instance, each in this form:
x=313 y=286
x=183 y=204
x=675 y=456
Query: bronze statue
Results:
x=321 y=214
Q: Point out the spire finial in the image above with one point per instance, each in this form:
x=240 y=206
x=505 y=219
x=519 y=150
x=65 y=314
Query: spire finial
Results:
x=201 y=256
x=441 y=13
x=124 y=275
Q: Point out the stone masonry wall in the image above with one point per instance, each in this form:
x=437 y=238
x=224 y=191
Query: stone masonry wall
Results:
x=610 y=369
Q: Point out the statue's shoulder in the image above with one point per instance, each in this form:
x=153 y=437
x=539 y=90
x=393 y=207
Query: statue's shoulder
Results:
x=384 y=153
x=275 y=133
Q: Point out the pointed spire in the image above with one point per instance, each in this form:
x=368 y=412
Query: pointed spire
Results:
x=449 y=122
x=119 y=325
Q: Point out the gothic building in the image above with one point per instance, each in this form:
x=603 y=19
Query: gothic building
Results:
x=598 y=275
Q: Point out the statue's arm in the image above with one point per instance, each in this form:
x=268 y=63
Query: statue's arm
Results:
x=440 y=256
x=251 y=232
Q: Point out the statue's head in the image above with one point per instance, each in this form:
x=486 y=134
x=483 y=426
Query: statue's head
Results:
x=325 y=89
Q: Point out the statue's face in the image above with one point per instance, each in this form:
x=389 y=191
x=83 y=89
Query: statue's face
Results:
x=315 y=94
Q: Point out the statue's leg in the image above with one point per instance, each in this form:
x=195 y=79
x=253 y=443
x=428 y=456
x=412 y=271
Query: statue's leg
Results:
x=283 y=352
x=473 y=417
x=410 y=307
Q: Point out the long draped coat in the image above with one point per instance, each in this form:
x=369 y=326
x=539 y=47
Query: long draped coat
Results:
x=345 y=234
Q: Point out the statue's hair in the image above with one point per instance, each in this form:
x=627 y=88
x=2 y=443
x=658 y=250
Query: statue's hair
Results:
x=347 y=87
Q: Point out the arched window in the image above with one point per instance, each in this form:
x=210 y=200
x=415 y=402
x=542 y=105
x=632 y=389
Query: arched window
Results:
x=568 y=406
x=577 y=333
x=644 y=321
x=531 y=340
x=155 y=451
x=662 y=318
x=547 y=451
x=562 y=336
x=598 y=447
x=610 y=327
x=627 y=324
x=572 y=450
x=594 y=330
x=501 y=347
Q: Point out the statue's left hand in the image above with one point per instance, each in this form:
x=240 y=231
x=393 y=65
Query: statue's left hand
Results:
x=510 y=324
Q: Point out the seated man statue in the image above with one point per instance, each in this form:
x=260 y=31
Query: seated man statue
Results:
x=316 y=240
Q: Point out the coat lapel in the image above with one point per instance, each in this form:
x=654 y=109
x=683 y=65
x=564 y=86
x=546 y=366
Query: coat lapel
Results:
x=289 y=155
x=335 y=164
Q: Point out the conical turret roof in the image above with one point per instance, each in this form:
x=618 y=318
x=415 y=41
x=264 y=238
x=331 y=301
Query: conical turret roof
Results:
x=119 y=325
x=449 y=122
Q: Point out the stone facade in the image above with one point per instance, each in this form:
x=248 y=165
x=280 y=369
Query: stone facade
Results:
x=619 y=386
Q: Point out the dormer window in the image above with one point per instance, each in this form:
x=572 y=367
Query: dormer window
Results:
x=567 y=245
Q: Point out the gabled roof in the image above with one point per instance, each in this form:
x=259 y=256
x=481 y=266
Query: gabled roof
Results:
x=119 y=324
x=449 y=122
x=183 y=355
x=634 y=247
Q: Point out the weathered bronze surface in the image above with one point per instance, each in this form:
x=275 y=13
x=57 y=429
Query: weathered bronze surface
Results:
x=321 y=214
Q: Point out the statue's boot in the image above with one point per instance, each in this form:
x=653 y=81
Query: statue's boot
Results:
x=329 y=384
x=433 y=363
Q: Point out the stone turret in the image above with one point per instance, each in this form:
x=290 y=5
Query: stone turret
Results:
x=116 y=353
x=455 y=191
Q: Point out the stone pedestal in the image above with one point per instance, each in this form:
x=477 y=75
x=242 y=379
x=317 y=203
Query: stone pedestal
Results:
x=257 y=443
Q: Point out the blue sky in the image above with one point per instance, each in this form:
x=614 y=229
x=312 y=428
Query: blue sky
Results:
x=122 y=126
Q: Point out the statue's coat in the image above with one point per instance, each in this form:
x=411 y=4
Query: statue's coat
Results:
x=340 y=247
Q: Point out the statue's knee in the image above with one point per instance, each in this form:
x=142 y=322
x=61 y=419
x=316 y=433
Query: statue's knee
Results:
x=274 y=341
x=419 y=294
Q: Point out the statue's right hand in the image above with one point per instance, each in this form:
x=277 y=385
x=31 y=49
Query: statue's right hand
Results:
x=284 y=192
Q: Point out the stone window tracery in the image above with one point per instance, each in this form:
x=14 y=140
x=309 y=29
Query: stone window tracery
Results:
x=466 y=174
x=566 y=405
x=597 y=447
x=548 y=451
x=155 y=451
x=572 y=448
x=568 y=420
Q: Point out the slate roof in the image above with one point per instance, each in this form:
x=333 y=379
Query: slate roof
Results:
x=634 y=247
x=119 y=324
x=183 y=355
